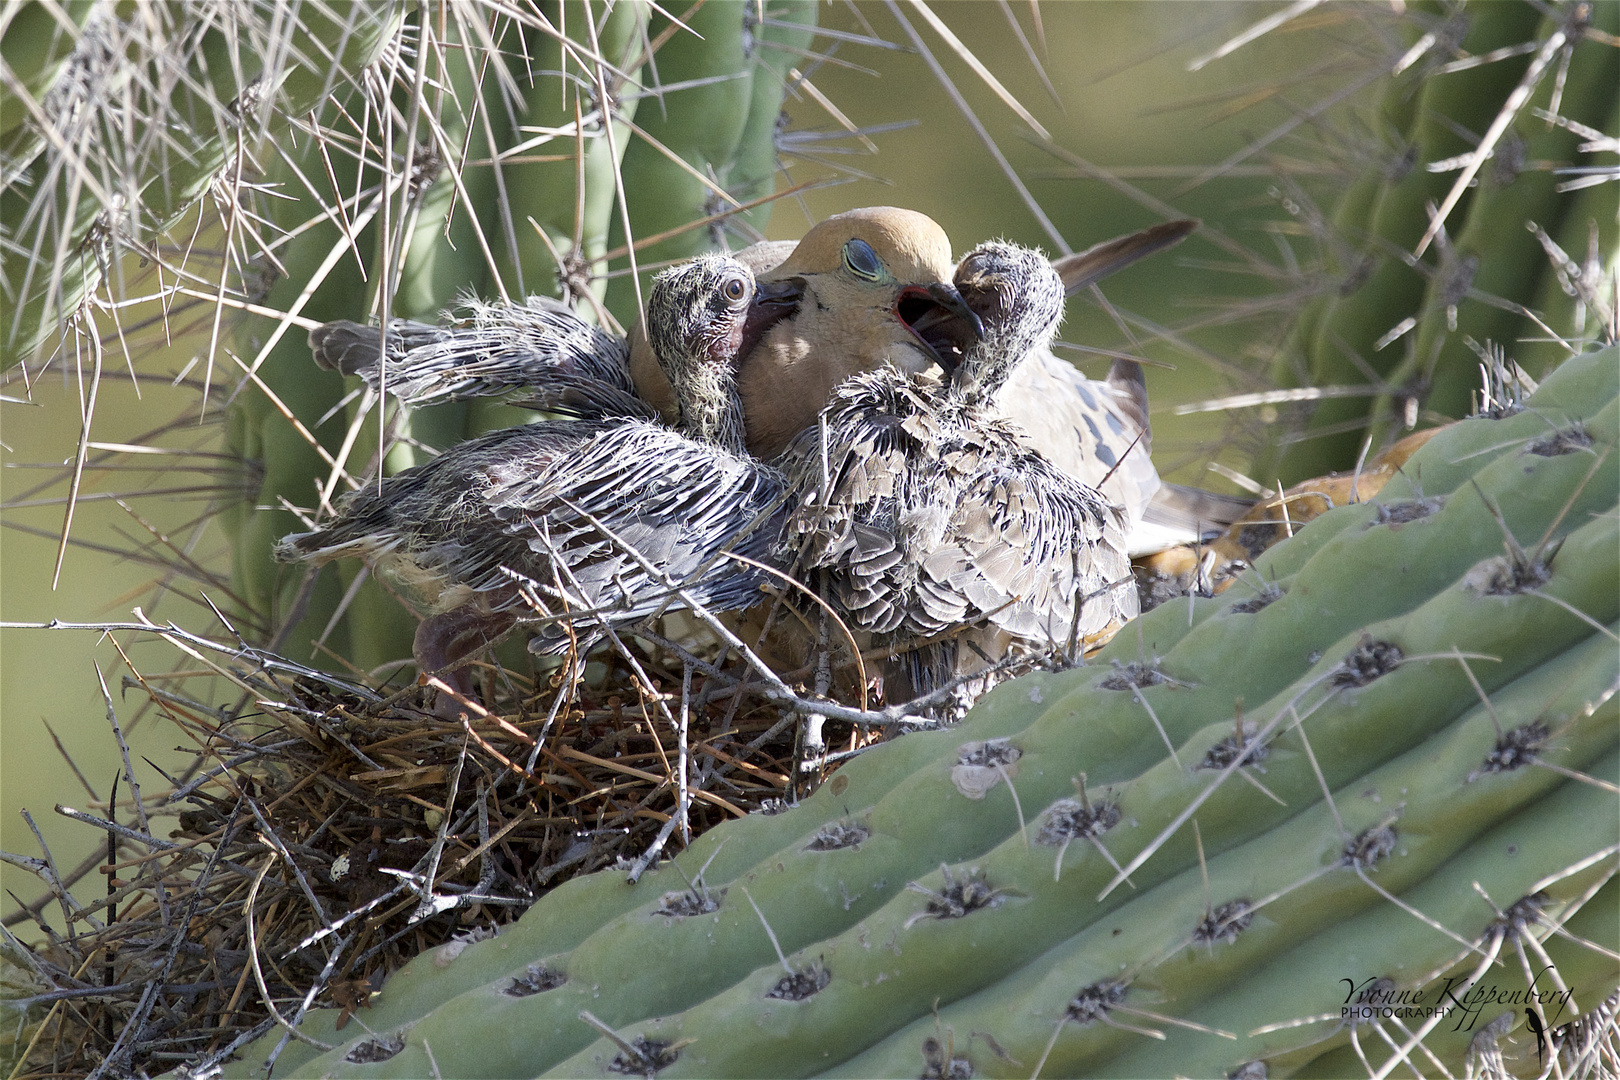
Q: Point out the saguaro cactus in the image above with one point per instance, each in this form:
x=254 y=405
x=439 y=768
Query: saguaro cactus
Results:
x=1501 y=96
x=1428 y=703
x=128 y=122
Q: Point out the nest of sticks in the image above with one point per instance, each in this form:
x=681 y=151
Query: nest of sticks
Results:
x=328 y=831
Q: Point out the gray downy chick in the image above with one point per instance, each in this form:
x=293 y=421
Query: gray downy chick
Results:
x=937 y=514
x=538 y=350
x=536 y=354
x=533 y=524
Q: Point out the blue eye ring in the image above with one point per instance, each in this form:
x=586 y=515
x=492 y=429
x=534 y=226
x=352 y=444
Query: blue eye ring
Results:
x=862 y=261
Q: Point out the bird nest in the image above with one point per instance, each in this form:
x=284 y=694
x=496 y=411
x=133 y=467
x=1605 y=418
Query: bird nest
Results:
x=327 y=831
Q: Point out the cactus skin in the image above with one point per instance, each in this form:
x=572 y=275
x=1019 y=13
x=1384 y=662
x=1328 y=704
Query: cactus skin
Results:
x=549 y=191
x=1488 y=225
x=1494 y=232
x=1592 y=213
x=775 y=49
x=1435 y=820
x=701 y=125
x=35 y=48
x=1418 y=727
x=190 y=101
x=1378 y=943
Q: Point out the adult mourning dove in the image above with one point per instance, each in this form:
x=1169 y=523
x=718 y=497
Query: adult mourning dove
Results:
x=868 y=275
x=539 y=521
x=923 y=510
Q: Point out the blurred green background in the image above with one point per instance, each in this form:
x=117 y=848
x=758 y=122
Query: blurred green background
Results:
x=1124 y=97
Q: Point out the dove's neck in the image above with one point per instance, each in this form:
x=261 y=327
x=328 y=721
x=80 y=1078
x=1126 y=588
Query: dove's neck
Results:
x=984 y=371
x=711 y=411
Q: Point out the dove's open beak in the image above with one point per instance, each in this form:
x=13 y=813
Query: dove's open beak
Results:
x=940 y=320
x=773 y=302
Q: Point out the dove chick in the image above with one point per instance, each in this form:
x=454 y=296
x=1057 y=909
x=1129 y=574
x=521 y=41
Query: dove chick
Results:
x=935 y=513
x=577 y=526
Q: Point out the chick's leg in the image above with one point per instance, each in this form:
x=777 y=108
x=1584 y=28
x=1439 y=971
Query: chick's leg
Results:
x=445 y=643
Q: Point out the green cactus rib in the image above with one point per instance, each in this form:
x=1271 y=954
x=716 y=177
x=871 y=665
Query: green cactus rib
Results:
x=1512 y=860
x=777 y=45
x=1485 y=221
x=172 y=172
x=1392 y=290
x=1352 y=215
x=1511 y=262
x=550 y=192
x=440 y=255
x=291 y=470
x=35 y=45
x=572 y=203
x=1077 y=727
x=440 y=258
x=891 y=969
x=1588 y=973
x=1448 y=460
x=429 y=270
x=1438 y=806
x=699 y=120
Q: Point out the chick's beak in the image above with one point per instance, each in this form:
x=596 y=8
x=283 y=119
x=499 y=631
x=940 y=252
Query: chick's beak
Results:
x=941 y=320
x=773 y=301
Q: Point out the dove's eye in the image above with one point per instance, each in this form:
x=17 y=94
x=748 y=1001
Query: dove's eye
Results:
x=735 y=289
x=863 y=261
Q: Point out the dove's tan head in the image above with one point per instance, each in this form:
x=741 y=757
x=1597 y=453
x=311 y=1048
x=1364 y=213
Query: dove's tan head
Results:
x=867 y=275
x=912 y=246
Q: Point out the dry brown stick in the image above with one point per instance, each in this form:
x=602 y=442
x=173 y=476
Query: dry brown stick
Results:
x=642 y=774
x=776 y=780
x=258 y=971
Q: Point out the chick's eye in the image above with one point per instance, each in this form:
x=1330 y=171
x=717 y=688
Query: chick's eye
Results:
x=862 y=260
x=735 y=289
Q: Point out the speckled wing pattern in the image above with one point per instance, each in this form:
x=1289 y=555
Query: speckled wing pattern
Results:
x=539 y=348
x=937 y=516
x=520 y=518
x=1084 y=427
